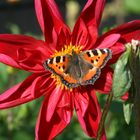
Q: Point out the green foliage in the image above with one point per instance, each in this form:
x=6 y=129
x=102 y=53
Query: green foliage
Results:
x=132 y=6
x=122 y=76
x=115 y=126
x=3 y=75
x=127 y=107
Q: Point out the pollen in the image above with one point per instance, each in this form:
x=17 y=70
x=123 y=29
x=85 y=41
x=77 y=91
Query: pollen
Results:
x=66 y=50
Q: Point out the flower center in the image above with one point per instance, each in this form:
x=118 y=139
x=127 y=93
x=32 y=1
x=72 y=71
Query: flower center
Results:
x=67 y=50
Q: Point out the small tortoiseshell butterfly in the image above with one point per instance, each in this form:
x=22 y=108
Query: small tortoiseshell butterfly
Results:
x=79 y=69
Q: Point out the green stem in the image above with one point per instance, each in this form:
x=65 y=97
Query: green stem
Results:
x=104 y=115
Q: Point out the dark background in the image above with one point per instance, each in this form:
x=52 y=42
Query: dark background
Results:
x=22 y=14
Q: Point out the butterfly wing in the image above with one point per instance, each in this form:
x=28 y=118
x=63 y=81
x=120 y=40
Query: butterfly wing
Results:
x=97 y=58
x=58 y=66
x=89 y=64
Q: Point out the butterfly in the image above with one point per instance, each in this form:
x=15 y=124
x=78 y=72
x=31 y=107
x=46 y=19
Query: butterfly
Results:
x=79 y=69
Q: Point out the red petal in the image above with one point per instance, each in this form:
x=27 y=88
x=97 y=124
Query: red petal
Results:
x=104 y=83
x=52 y=101
x=33 y=87
x=40 y=13
x=117 y=50
x=103 y=136
x=128 y=31
x=23 y=52
x=82 y=100
x=51 y=23
x=85 y=30
x=92 y=12
x=66 y=104
x=125 y=96
x=94 y=7
x=108 y=41
x=91 y=118
x=48 y=130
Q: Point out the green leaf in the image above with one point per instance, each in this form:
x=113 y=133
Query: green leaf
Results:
x=21 y=135
x=122 y=76
x=132 y=6
x=3 y=73
x=127 y=108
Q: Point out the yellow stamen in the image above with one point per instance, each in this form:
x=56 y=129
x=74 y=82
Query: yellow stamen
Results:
x=68 y=50
x=64 y=51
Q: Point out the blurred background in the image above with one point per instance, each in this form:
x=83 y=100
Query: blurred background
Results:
x=18 y=17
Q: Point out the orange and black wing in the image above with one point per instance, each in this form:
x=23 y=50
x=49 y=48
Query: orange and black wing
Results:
x=58 y=66
x=98 y=59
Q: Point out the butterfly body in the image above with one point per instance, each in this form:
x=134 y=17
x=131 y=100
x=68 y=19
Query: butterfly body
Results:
x=78 y=69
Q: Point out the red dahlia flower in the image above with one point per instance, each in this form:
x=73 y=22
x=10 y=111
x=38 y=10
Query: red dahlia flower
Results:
x=29 y=54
